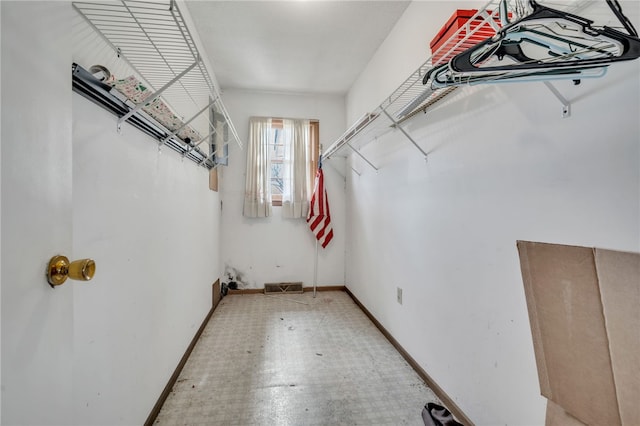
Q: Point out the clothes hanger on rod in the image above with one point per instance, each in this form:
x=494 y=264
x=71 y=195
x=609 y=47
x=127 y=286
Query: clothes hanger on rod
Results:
x=551 y=42
x=540 y=44
x=614 y=5
x=442 y=76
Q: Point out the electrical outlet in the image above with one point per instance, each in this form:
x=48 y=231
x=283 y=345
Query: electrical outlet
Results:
x=399 y=295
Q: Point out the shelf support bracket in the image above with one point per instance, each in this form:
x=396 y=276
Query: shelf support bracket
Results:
x=566 y=105
x=202 y=163
x=335 y=169
x=175 y=132
x=191 y=147
x=361 y=156
x=399 y=127
x=156 y=94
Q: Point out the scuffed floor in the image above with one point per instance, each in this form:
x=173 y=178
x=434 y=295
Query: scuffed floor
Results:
x=294 y=360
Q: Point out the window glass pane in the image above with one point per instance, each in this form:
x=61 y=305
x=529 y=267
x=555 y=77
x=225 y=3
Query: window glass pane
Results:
x=277 y=183
x=276 y=170
x=276 y=187
x=277 y=144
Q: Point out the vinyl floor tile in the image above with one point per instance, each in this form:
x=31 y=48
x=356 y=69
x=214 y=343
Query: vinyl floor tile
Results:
x=293 y=359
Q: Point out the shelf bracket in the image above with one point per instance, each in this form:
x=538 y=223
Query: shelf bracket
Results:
x=203 y=162
x=191 y=147
x=210 y=157
x=399 y=127
x=175 y=132
x=336 y=170
x=361 y=156
x=156 y=94
x=566 y=105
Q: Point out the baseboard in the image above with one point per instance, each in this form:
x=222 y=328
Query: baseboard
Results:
x=246 y=291
x=305 y=289
x=327 y=288
x=176 y=373
x=440 y=393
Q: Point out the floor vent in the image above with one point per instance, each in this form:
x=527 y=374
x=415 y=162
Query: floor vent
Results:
x=272 y=288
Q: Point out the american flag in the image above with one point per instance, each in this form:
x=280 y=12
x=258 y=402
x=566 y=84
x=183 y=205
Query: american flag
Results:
x=319 y=218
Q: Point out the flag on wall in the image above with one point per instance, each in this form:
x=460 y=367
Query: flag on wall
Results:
x=319 y=218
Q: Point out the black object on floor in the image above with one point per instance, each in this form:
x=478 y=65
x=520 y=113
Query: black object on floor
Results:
x=437 y=415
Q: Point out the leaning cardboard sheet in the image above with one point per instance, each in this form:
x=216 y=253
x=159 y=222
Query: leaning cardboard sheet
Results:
x=584 y=310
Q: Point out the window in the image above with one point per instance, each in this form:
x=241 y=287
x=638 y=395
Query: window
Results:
x=279 y=137
x=282 y=158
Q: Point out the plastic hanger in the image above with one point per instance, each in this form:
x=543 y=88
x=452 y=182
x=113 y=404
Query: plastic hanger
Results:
x=442 y=76
x=530 y=29
x=567 y=41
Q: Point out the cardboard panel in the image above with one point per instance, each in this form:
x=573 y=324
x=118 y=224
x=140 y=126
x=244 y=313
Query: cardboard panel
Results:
x=556 y=416
x=213 y=180
x=569 y=335
x=619 y=277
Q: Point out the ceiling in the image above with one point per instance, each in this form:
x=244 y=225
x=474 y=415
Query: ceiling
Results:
x=292 y=46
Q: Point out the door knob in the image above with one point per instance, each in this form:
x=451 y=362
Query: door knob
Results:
x=60 y=269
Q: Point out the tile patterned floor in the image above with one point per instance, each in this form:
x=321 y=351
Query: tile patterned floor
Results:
x=293 y=359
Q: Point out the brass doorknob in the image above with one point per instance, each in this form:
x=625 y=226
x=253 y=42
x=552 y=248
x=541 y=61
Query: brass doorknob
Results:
x=60 y=269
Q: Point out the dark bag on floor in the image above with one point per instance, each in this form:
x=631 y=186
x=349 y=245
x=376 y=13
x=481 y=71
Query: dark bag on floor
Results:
x=437 y=415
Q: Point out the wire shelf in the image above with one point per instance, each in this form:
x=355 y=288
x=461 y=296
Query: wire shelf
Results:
x=152 y=37
x=412 y=97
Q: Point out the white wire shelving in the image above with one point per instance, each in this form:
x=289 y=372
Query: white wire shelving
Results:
x=412 y=97
x=152 y=37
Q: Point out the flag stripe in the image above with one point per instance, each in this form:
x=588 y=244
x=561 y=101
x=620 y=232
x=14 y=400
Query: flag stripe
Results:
x=319 y=217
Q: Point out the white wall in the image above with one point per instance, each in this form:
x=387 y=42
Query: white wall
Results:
x=152 y=225
x=275 y=249
x=503 y=166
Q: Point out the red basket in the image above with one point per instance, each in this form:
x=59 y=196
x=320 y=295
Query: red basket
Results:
x=443 y=45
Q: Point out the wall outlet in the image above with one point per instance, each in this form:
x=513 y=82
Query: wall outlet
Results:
x=399 y=295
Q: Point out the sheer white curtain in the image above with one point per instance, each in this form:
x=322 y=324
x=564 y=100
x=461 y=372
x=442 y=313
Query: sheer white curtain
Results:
x=297 y=158
x=257 y=194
